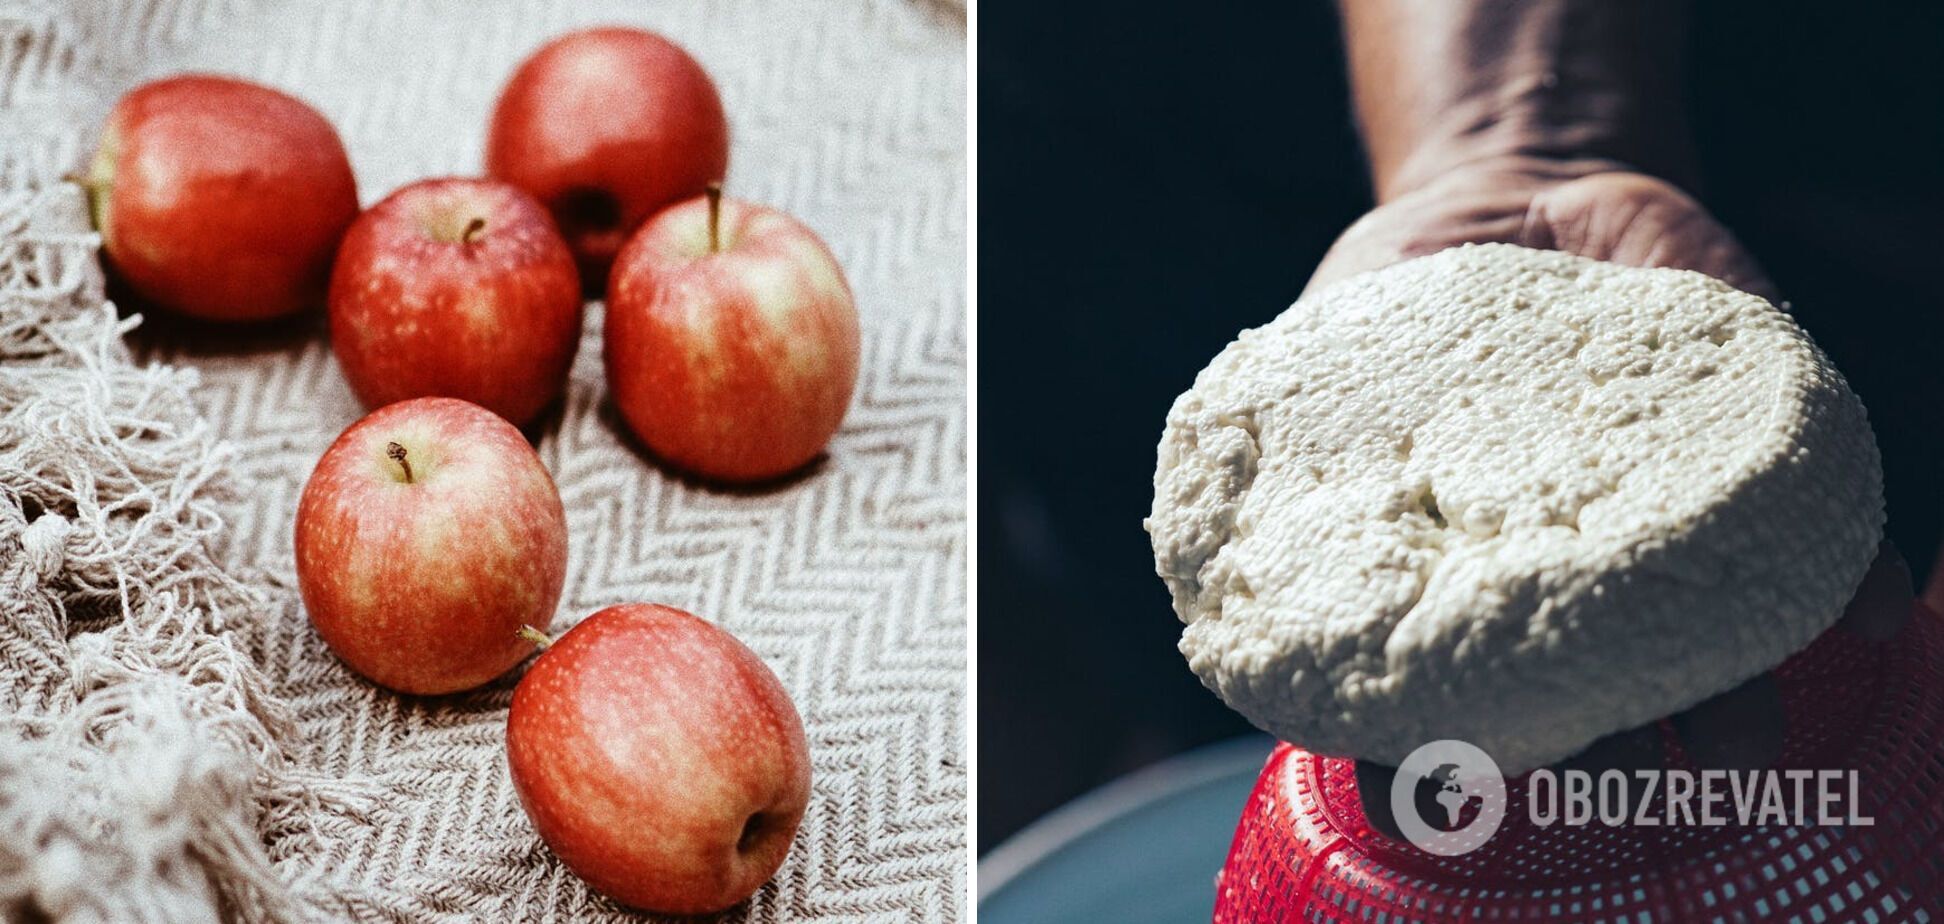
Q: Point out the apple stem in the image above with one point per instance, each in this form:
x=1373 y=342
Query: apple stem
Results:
x=539 y=639
x=715 y=217
x=472 y=232
x=397 y=454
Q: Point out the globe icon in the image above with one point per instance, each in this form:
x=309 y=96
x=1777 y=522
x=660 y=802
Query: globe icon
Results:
x=1450 y=795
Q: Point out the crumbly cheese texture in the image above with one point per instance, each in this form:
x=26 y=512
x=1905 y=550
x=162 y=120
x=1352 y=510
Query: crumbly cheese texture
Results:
x=1510 y=496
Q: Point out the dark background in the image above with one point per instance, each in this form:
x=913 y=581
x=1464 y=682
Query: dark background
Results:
x=1154 y=179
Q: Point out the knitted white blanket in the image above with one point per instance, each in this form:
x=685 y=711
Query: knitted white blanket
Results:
x=176 y=744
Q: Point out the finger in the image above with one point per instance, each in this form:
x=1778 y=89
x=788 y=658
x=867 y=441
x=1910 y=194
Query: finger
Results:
x=1374 y=790
x=1883 y=601
x=1741 y=729
x=1635 y=749
x=1745 y=728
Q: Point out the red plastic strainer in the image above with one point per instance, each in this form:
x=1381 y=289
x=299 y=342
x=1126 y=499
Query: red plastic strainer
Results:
x=1305 y=852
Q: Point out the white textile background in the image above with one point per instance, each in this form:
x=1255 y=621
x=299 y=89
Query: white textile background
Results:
x=850 y=581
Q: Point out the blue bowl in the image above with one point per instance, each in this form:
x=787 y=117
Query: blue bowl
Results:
x=1144 y=848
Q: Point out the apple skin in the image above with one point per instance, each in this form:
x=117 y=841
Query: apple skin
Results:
x=737 y=363
x=660 y=759
x=422 y=586
x=456 y=287
x=606 y=127
x=220 y=199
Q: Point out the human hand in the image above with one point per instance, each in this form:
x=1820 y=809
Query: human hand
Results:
x=1604 y=211
x=1597 y=209
x=1558 y=124
x=1607 y=212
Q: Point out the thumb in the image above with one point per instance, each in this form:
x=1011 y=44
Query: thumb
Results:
x=1638 y=220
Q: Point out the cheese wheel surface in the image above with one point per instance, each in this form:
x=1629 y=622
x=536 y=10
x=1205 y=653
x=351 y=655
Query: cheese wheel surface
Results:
x=1514 y=497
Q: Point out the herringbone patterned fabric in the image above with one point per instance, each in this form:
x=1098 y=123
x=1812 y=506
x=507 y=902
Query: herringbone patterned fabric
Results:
x=850 y=581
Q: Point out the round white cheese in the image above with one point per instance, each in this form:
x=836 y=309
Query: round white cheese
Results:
x=1514 y=497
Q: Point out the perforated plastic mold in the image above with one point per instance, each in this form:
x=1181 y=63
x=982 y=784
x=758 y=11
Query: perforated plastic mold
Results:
x=1304 y=850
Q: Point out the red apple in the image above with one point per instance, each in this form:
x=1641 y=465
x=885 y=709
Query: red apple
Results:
x=660 y=759
x=731 y=339
x=220 y=199
x=606 y=127
x=428 y=536
x=459 y=288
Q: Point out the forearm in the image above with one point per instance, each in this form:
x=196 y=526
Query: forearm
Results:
x=1576 y=83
